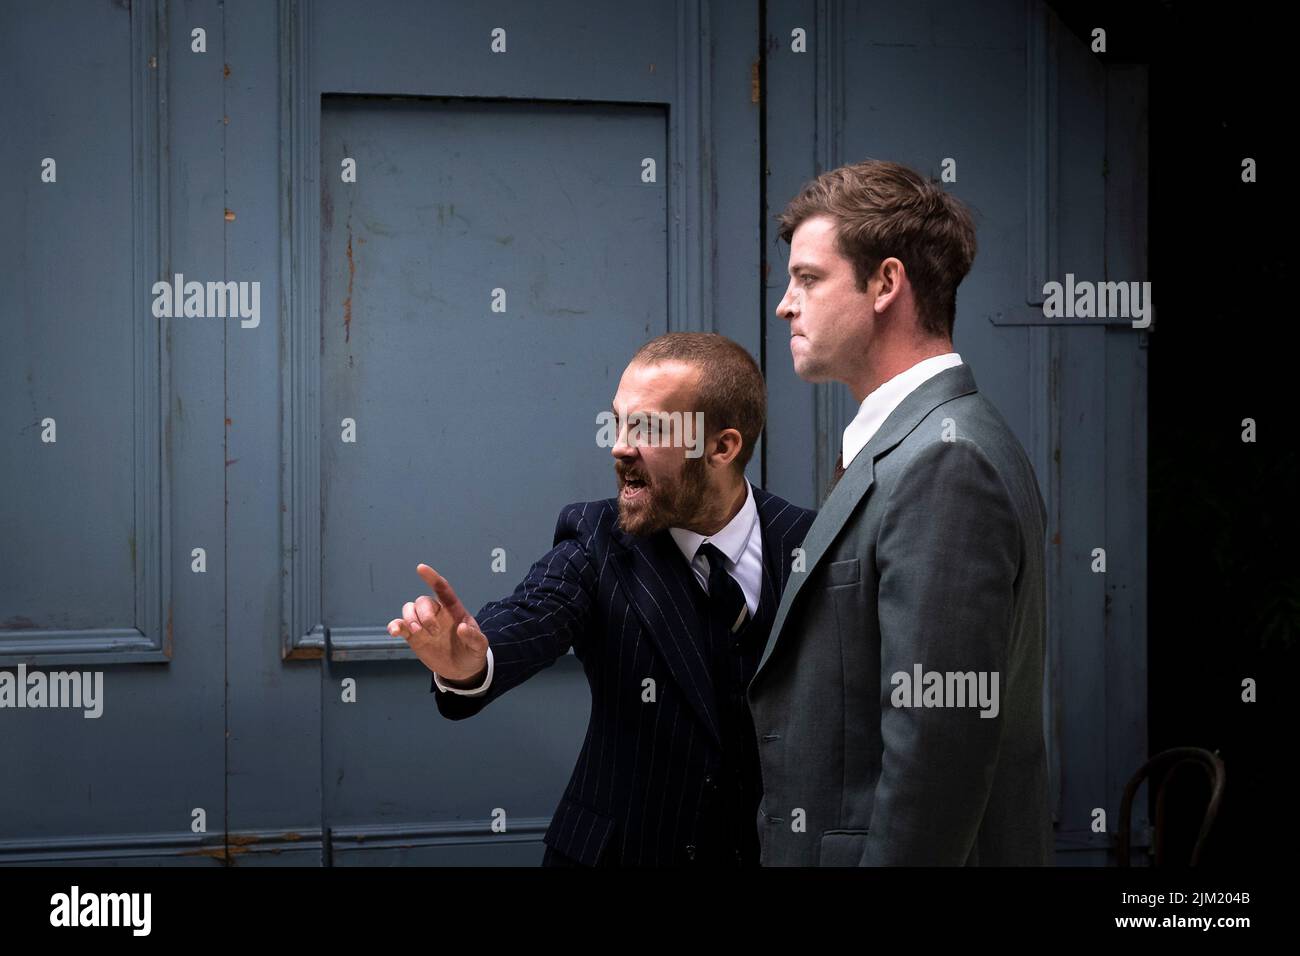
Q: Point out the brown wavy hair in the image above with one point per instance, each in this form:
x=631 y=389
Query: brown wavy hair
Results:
x=884 y=209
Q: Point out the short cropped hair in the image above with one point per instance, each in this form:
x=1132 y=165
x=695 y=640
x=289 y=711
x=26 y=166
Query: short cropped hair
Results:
x=732 y=393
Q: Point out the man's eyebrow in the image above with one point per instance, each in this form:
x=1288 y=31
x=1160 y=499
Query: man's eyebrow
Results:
x=796 y=266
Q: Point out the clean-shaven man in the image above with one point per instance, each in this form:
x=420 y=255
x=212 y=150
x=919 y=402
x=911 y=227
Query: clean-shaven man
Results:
x=666 y=594
x=898 y=704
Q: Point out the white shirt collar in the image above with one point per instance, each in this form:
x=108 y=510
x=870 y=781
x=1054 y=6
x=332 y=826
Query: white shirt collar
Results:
x=876 y=407
x=731 y=540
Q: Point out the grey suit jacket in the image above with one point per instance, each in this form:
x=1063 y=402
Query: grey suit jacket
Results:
x=926 y=557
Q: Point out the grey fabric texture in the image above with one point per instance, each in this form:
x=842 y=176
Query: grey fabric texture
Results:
x=927 y=556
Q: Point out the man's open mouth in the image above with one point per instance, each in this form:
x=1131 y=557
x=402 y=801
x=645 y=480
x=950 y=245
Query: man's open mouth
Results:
x=632 y=488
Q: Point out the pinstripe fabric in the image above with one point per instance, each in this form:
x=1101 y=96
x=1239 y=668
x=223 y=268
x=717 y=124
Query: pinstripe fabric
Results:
x=623 y=603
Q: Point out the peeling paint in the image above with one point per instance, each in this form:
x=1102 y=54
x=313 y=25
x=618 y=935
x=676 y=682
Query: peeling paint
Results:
x=214 y=853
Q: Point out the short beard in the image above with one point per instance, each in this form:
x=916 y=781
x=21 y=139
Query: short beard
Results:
x=675 y=505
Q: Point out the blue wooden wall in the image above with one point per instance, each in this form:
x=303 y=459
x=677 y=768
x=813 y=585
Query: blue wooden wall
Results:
x=203 y=533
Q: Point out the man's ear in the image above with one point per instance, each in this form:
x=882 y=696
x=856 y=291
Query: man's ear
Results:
x=725 y=446
x=891 y=275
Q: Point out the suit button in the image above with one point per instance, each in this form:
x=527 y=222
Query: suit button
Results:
x=690 y=851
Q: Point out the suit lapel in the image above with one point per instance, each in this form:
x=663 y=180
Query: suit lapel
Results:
x=852 y=488
x=653 y=575
x=859 y=477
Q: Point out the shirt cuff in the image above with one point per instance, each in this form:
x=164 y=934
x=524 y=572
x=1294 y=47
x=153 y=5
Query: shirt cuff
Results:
x=468 y=692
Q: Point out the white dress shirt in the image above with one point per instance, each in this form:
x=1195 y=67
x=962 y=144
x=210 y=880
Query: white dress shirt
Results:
x=876 y=407
x=740 y=541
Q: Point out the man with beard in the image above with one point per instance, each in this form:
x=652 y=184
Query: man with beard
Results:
x=666 y=594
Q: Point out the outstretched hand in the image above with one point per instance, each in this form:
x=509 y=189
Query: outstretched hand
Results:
x=442 y=633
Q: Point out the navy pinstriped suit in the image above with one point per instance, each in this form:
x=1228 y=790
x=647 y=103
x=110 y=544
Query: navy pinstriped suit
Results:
x=645 y=790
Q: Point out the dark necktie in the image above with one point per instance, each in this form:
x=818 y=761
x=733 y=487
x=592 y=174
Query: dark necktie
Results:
x=726 y=600
x=839 y=473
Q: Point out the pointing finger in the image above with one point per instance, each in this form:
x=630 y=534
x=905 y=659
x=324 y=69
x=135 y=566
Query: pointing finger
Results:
x=446 y=594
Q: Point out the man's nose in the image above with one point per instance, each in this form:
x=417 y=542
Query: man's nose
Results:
x=785 y=308
x=622 y=450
